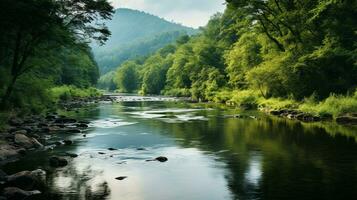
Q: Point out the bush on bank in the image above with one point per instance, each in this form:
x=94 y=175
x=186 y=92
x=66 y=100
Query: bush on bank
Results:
x=68 y=92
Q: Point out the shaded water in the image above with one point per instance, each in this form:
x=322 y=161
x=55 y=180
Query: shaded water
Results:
x=211 y=156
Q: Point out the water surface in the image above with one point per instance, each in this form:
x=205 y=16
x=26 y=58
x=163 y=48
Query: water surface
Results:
x=211 y=156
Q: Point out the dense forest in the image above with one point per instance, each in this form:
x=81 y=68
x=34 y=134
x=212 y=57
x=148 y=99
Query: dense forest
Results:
x=135 y=33
x=43 y=45
x=298 y=54
x=273 y=53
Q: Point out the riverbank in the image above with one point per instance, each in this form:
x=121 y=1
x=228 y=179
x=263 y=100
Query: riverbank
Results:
x=22 y=134
x=341 y=109
x=56 y=135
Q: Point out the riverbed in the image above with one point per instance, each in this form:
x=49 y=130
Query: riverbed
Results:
x=212 y=155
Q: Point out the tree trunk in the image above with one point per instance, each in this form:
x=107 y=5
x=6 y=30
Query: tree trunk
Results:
x=6 y=97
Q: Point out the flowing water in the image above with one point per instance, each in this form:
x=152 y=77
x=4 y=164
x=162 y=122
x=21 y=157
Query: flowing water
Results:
x=211 y=156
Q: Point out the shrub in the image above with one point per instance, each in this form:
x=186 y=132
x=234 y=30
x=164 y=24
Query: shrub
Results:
x=246 y=99
x=334 y=105
x=66 y=93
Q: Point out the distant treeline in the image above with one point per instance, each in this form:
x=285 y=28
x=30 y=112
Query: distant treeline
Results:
x=258 y=49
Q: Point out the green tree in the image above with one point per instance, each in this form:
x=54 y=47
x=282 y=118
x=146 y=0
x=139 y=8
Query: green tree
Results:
x=127 y=77
x=49 y=24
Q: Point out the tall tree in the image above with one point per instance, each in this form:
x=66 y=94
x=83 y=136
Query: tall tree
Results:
x=29 y=29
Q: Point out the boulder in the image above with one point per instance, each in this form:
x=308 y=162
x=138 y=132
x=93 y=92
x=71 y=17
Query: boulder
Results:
x=161 y=159
x=58 y=162
x=13 y=193
x=68 y=142
x=347 y=120
x=15 y=122
x=8 y=152
x=65 y=121
x=3 y=177
x=27 y=142
x=27 y=180
x=23 y=132
x=82 y=125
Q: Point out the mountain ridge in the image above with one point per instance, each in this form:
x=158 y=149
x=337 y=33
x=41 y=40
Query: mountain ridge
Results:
x=135 y=33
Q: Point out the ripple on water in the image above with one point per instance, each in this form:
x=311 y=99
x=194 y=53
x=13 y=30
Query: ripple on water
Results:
x=171 y=115
x=110 y=123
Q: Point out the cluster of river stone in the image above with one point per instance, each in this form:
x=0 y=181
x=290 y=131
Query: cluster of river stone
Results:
x=348 y=118
x=34 y=133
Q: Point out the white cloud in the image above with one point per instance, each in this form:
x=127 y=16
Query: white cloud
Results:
x=192 y=13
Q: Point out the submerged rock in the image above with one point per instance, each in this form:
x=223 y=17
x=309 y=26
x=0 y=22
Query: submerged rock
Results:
x=160 y=159
x=120 y=178
x=82 y=125
x=14 y=193
x=72 y=155
x=73 y=131
x=28 y=180
x=58 y=162
x=68 y=142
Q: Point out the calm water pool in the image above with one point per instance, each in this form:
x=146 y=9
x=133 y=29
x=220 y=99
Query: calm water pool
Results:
x=210 y=156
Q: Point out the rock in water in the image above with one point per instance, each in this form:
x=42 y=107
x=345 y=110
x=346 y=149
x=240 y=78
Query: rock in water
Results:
x=58 y=162
x=68 y=142
x=28 y=180
x=8 y=152
x=120 y=178
x=347 y=120
x=82 y=125
x=27 y=142
x=14 y=193
x=161 y=159
x=72 y=155
x=112 y=149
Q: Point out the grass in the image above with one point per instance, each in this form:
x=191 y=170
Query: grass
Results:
x=334 y=105
x=66 y=93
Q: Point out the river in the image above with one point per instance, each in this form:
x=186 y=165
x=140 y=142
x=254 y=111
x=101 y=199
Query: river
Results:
x=211 y=155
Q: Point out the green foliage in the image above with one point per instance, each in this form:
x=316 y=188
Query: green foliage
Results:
x=69 y=92
x=44 y=44
x=278 y=103
x=127 y=77
x=135 y=33
x=273 y=54
x=334 y=105
x=245 y=98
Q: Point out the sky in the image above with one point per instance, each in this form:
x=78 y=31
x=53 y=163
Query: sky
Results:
x=193 y=13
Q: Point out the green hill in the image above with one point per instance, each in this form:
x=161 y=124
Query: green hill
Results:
x=135 y=33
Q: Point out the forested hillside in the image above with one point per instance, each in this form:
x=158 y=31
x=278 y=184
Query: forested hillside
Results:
x=44 y=44
x=135 y=33
x=260 y=53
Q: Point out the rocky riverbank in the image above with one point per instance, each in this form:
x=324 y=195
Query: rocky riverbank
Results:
x=33 y=133
x=346 y=119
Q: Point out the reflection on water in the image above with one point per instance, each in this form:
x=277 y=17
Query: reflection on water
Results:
x=254 y=171
x=210 y=156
